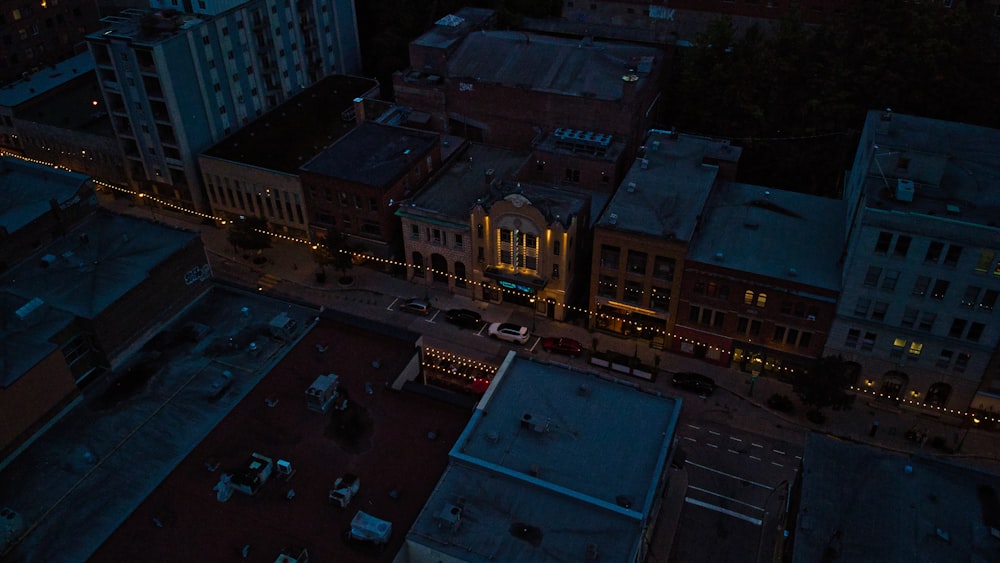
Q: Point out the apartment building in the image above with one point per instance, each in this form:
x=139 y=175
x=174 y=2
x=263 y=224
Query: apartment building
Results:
x=507 y=88
x=354 y=186
x=761 y=280
x=436 y=222
x=922 y=263
x=245 y=175
x=175 y=83
x=640 y=241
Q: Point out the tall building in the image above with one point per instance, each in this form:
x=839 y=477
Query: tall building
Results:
x=175 y=83
x=42 y=33
x=922 y=262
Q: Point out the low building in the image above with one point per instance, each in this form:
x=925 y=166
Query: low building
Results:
x=355 y=185
x=245 y=175
x=554 y=464
x=38 y=204
x=642 y=237
x=81 y=303
x=761 y=279
x=581 y=159
x=436 y=222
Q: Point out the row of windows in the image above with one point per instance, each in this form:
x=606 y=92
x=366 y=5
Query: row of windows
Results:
x=750 y=327
x=659 y=297
x=270 y=203
x=865 y=308
x=436 y=236
x=958 y=361
x=974 y=296
x=937 y=253
x=637 y=262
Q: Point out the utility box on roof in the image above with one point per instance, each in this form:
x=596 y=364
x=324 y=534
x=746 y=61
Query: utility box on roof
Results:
x=283 y=327
x=367 y=528
x=322 y=392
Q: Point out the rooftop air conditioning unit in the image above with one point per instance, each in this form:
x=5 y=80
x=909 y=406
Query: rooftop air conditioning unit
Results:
x=904 y=190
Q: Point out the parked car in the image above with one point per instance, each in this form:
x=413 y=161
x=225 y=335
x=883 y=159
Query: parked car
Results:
x=566 y=346
x=417 y=306
x=696 y=382
x=509 y=332
x=463 y=318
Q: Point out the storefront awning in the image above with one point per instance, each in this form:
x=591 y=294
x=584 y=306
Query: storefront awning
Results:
x=515 y=282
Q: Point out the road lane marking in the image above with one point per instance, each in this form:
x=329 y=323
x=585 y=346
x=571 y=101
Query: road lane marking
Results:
x=732 y=451
x=689 y=439
x=434 y=316
x=754 y=521
x=756 y=445
x=776 y=463
x=723 y=473
x=714 y=433
x=779 y=452
x=712 y=446
x=394 y=301
x=798 y=457
x=734 y=438
x=755 y=458
x=695 y=427
x=730 y=499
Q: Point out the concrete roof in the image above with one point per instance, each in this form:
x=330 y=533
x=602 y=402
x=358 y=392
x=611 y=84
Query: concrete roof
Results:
x=372 y=154
x=451 y=195
x=670 y=191
x=862 y=504
x=520 y=463
x=551 y=64
x=85 y=277
x=303 y=126
x=452 y=28
x=772 y=232
x=555 y=204
x=20 y=91
x=953 y=164
x=147 y=26
x=27 y=190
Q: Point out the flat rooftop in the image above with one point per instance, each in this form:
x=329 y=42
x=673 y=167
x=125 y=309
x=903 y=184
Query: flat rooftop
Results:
x=451 y=195
x=95 y=264
x=863 y=504
x=303 y=126
x=49 y=78
x=664 y=193
x=554 y=203
x=147 y=26
x=27 y=190
x=571 y=67
x=29 y=326
x=770 y=232
x=373 y=154
x=556 y=454
x=954 y=168
x=451 y=28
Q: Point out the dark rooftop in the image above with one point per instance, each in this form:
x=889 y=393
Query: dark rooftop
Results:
x=27 y=190
x=450 y=196
x=395 y=452
x=299 y=129
x=26 y=333
x=555 y=204
x=99 y=261
x=452 y=28
x=373 y=154
x=35 y=84
x=663 y=193
x=864 y=504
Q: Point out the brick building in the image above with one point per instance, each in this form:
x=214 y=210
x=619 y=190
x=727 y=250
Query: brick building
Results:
x=355 y=185
x=41 y=34
x=642 y=236
x=579 y=159
x=507 y=88
x=761 y=279
x=245 y=175
x=82 y=303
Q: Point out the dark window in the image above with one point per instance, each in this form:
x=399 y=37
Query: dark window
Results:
x=902 y=246
x=636 y=262
x=882 y=245
x=920 y=286
x=909 y=317
x=890 y=280
x=556 y=248
x=779 y=333
x=954 y=253
x=853 y=335
x=934 y=252
x=880 y=310
x=927 y=321
x=940 y=289
x=872 y=276
x=975 y=331
x=989 y=299
x=610 y=256
x=957 y=328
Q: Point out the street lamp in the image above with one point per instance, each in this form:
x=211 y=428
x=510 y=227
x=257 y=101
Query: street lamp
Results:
x=532 y=300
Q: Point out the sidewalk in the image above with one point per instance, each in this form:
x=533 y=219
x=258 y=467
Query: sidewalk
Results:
x=290 y=272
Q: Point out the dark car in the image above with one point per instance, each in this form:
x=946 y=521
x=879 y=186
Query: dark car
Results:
x=566 y=346
x=463 y=318
x=416 y=306
x=696 y=382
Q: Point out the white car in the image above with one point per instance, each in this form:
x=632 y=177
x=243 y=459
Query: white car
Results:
x=509 y=332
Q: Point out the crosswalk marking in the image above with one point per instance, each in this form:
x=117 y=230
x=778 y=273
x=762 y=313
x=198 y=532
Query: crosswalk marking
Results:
x=267 y=281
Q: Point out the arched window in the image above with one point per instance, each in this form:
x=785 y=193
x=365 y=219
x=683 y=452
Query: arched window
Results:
x=440 y=267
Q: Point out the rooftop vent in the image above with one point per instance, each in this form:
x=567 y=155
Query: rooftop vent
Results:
x=644 y=164
x=904 y=189
x=953 y=209
x=631 y=187
x=719 y=256
x=613 y=219
x=792 y=272
x=48 y=260
x=28 y=308
x=450 y=516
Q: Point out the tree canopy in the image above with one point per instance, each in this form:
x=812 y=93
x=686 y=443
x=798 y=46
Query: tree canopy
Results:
x=249 y=233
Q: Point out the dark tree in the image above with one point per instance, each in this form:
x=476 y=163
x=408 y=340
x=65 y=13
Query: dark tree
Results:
x=249 y=233
x=335 y=251
x=826 y=382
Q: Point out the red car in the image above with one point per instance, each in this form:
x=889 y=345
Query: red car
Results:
x=566 y=346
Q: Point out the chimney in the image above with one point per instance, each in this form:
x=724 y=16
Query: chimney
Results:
x=359 y=110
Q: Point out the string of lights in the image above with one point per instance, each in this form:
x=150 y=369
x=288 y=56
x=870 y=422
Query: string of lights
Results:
x=439 y=354
x=864 y=390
